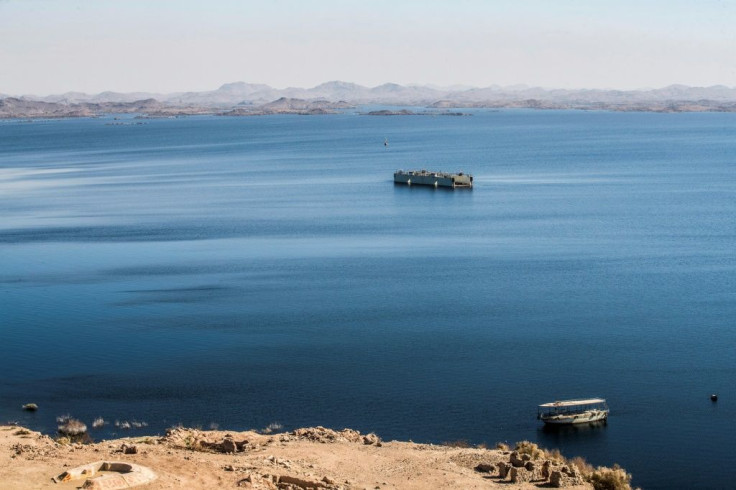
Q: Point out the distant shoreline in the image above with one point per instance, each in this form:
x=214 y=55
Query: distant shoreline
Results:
x=244 y=99
x=41 y=110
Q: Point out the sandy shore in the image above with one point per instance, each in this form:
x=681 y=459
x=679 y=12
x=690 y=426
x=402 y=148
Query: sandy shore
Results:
x=305 y=458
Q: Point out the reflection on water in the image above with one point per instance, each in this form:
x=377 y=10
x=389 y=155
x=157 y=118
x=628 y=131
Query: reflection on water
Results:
x=572 y=429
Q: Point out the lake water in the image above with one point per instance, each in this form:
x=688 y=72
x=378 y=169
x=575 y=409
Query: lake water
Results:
x=244 y=271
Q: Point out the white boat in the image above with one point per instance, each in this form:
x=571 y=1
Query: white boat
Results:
x=567 y=412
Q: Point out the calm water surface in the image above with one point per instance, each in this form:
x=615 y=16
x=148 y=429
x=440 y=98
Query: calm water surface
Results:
x=243 y=271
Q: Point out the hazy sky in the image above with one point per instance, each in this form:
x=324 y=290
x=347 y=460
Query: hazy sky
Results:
x=53 y=46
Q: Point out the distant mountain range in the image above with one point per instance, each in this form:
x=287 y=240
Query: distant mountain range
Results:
x=241 y=98
x=242 y=93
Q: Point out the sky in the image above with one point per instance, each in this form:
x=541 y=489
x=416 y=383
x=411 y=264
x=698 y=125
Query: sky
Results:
x=55 y=46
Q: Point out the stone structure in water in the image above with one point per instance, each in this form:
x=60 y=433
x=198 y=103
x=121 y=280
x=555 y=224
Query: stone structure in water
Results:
x=435 y=179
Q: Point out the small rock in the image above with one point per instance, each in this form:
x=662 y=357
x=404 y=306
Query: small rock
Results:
x=229 y=468
x=93 y=484
x=545 y=469
x=516 y=460
x=519 y=475
x=229 y=446
x=129 y=449
x=371 y=438
x=484 y=468
x=293 y=481
x=556 y=479
x=30 y=407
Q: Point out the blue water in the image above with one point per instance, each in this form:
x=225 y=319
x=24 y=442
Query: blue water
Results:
x=244 y=271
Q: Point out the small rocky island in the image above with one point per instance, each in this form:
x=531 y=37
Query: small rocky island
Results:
x=286 y=105
x=407 y=112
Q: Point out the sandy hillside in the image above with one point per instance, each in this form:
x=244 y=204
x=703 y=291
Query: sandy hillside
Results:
x=305 y=458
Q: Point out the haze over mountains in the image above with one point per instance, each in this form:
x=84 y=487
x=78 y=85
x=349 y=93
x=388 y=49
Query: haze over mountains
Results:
x=236 y=93
x=248 y=99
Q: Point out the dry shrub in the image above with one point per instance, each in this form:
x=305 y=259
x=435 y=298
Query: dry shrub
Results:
x=191 y=443
x=72 y=427
x=585 y=468
x=615 y=478
x=527 y=447
x=272 y=427
x=65 y=440
x=502 y=446
x=459 y=443
x=196 y=444
x=553 y=455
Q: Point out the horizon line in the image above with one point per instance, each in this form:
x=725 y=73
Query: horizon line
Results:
x=456 y=87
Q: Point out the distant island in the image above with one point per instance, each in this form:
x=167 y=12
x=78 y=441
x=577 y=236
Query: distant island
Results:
x=246 y=99
x=407 y=112
x=23 y=108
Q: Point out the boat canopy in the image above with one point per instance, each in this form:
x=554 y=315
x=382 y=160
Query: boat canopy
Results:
x=572 y=403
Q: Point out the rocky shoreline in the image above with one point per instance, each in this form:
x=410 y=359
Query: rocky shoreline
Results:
x=14 y=108
x=307 y=458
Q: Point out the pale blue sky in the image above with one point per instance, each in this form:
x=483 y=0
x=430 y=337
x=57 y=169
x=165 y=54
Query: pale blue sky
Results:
x=53 y=46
